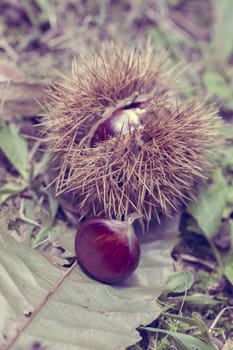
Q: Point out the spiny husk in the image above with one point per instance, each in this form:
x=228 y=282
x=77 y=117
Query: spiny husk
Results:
x=100 y=84
x=151 y=169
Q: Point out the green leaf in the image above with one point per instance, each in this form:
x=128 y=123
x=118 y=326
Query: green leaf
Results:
x=48 y=225
x=223 y=26
x=211 y=201
x=174 y=2
x=228 y=272
x=39 y=167
x=195 y=322
x=24 y=284
x=15 y=148
x=228 y=269
x=198 y=299
x=189 y=342
x=39 y=300
x=42 y=235
x=10 y=189
x=185 y=341
x=53 y=206
x=216 y=85
x=231 y=246
x=179 y=282
x=227 y=161
x=29 y=213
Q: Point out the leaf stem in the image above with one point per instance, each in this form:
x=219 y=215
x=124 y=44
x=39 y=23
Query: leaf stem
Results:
x=40 y=306
x=216 y=254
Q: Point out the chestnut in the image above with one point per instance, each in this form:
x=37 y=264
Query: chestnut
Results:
x=120 y=122
x=107 y=250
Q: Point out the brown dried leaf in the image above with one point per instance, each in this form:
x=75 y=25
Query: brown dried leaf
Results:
x=228 y=345
x=21 y=98
x=8 y=71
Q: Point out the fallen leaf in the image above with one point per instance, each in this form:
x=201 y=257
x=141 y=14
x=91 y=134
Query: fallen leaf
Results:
x=23 y=284
x=8 y=71
x=66 y=310
x=228 y=345
x=21 y=98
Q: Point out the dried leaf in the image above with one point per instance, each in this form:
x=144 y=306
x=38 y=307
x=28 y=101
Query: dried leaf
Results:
x=8 y=71
x=21 y=98
x=228 y=345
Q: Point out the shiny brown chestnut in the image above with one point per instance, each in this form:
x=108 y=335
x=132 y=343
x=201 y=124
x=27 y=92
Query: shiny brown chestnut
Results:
x=107 y=250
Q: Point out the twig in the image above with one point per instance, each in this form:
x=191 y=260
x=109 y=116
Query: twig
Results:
x=193 y=259
x=8 y=49
x=24 y=218
x=217 y=318
x=184 y=23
